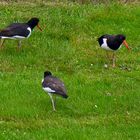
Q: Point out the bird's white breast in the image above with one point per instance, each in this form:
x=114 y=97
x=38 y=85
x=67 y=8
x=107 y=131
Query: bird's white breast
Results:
x=29 y=29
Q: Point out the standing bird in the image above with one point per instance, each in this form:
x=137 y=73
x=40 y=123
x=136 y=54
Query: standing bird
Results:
x=112 y=43
x=18 y=31
x=53 y=86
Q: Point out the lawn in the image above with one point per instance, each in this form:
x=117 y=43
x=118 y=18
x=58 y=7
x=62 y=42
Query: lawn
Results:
x=103 y=103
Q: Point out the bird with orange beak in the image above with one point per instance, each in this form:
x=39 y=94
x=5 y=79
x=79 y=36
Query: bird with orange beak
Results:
x=112 y=43
x=18 y=31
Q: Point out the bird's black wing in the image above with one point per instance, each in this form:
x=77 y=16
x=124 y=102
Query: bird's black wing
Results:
x=112 y=42
x=55 y=84
x=14 y=29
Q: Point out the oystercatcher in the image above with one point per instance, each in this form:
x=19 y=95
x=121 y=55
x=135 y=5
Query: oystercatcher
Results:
x=53 y=86
x=112 y=43
x=19 y=31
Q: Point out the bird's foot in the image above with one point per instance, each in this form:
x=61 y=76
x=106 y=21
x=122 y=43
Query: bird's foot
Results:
x=113 y=66
x=54 y=110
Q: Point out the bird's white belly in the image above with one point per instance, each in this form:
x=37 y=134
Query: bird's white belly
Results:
x=13 y=37
x=49 y=90
x=106 y=47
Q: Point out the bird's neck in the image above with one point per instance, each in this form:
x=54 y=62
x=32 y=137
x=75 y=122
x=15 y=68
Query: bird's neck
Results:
x=31 y=25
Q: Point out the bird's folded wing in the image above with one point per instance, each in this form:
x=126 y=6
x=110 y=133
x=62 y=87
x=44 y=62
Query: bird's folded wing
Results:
x=15 y=29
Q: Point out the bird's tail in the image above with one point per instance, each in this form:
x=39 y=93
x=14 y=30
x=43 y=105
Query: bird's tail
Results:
x=0 y=34
x=65 y=96
x=98 y=38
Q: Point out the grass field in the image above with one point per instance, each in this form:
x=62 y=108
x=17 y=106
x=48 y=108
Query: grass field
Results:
x=103 y=103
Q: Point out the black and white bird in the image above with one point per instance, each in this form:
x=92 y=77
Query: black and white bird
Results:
x=53 y=86
x=112 y=43
x=18 y=31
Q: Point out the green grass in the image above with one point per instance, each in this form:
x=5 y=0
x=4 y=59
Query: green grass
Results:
x=102 y=104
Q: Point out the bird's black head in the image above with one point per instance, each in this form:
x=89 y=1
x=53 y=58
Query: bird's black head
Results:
x=47 y=73
x=34 y=22
x=120 y=37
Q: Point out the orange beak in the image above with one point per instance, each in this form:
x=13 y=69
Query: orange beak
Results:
x=39 y=27
x=125 y=44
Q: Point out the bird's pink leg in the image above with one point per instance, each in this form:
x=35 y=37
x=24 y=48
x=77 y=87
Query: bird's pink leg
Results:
x=108 y=57
x=19 y=43
x=52 y=102
x=107 y=54
x=2 y=42
x=114 y=60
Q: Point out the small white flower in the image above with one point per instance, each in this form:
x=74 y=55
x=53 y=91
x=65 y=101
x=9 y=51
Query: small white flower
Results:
x=105 y=65
x=96 y=106
x=128 y=113
x=108 y=94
